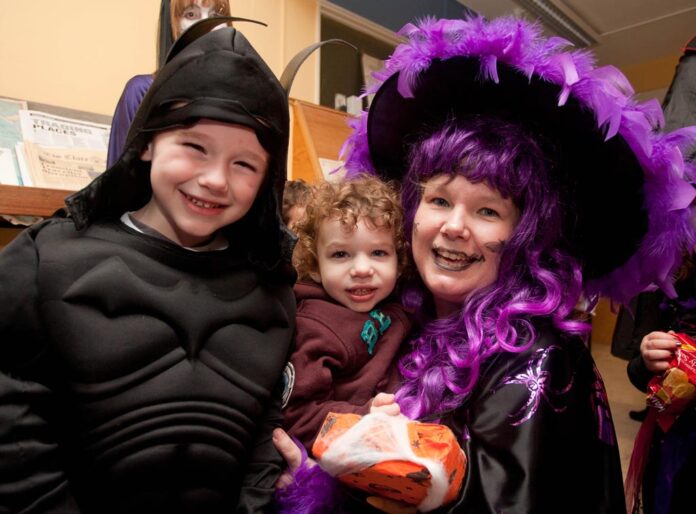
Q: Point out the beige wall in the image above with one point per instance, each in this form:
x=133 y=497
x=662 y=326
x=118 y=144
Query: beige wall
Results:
x=651 y=79
x=654 y=74
x=79 y=54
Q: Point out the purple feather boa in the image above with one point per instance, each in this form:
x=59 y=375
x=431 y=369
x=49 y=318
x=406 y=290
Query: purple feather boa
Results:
x=605 y=91
x=313 y=491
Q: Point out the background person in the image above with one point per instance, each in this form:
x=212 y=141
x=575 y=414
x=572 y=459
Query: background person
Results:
x=175 y=17
x=663 y=464
x=296 y=195
x=651 y=310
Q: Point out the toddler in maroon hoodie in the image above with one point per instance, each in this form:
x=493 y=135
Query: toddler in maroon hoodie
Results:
x=349 y=256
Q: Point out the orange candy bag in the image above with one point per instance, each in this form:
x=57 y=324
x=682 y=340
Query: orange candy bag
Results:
x=393 y=457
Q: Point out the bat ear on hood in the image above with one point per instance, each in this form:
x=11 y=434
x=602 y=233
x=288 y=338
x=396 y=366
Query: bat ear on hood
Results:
x=293 y=66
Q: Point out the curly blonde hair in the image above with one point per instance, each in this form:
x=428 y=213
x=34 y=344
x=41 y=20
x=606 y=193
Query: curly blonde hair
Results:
x=364 y=198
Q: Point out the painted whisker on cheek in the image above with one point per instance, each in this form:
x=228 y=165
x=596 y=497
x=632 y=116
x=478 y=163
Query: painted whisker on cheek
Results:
x=496 y=247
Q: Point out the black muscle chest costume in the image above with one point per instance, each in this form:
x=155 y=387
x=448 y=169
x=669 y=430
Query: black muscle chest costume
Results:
x=135 y=375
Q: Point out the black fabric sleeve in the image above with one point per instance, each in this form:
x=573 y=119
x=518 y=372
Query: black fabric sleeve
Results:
x=530 y=422
x=32 y=478
x=265 y=464
x=638 y=374
x=642 y=317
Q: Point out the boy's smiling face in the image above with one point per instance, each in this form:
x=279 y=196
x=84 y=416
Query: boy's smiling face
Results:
x=203 y=177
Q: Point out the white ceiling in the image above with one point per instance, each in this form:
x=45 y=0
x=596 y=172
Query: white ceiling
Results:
x=627 y=32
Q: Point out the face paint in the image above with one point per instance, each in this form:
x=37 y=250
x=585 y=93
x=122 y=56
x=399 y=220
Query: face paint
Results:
x=459 y=230
x=195 y=12
x=495 y=247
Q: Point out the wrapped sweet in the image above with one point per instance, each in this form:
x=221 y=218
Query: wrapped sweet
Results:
x=674 y=390
x=392 y=457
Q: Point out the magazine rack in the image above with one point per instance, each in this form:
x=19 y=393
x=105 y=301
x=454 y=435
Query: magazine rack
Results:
x=36 y=201
x=318 y=133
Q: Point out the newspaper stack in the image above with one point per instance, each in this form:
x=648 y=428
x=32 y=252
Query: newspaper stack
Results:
x=49 y=151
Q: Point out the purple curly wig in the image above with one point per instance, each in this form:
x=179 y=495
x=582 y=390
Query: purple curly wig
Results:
x=537 y=279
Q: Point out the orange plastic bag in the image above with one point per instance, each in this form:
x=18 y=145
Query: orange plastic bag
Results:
x=394 y=457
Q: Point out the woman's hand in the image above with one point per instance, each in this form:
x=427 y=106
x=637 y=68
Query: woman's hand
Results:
x=292 y=455
x=384 y=402
x=657 y=349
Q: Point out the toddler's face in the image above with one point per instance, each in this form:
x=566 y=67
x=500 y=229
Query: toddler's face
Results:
x=358 y=267
x=203 y=178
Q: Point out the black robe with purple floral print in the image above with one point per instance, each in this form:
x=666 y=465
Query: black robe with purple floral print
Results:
x=538 y=435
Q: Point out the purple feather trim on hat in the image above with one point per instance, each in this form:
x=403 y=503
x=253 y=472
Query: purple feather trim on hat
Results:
x=605 y=91
x=313 y=491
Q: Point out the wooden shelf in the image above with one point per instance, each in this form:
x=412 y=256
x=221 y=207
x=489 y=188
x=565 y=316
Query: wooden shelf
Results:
x=318 y=132
x=31 y=201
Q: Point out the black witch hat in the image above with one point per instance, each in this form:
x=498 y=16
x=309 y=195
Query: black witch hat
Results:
x=628 y=184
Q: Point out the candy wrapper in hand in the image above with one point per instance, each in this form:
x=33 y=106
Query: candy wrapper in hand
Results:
x=672 y=392
x=393 y=457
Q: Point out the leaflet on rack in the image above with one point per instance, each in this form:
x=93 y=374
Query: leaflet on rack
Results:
x=10 y=135
x=60 y=153
x=63 y=168
x=50 y=130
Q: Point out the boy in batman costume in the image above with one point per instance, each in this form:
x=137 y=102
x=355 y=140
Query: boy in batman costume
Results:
x=136 y=374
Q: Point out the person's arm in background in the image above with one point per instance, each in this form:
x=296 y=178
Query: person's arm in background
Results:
x=680 y=100
x=127 y=106
x=648 y=317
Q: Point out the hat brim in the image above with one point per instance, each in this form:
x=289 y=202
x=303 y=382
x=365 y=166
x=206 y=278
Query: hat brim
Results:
x=601 y=181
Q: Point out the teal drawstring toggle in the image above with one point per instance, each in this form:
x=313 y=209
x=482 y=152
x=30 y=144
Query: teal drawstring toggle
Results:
x=370 y=332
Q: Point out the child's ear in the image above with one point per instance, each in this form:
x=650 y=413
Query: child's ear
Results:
x=146 y=154
x=314 y=275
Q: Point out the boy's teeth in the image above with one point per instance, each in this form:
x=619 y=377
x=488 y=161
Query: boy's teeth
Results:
x=200 y=203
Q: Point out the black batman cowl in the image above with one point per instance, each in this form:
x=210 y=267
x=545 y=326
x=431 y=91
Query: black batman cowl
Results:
x=218 y=76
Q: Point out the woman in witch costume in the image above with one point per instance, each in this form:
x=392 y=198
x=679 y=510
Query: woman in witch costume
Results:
x=530 y=177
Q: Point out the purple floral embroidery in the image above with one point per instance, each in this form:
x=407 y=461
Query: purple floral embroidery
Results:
x=601 y=406
x=465 y=434
x=538 y=382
